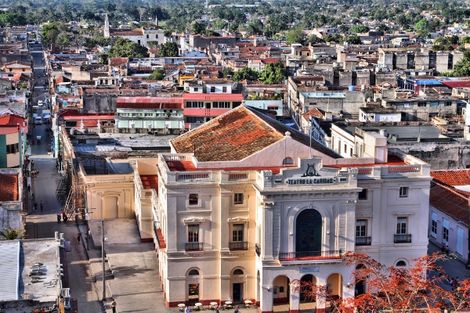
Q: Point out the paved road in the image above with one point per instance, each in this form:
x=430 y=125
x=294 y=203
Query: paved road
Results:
x=43 y=223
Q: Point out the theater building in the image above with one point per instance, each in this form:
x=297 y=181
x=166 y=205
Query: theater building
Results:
x=245 y=210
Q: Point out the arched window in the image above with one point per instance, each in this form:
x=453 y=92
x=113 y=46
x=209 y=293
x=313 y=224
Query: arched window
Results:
x=238 y=272
x=193 y=272
x=308 y=233
x=400 y=263
x=287 y=161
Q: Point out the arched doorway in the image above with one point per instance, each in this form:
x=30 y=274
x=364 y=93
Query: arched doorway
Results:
x=308 y=288
x=193 y=286
x=238 y=283
x=334 y=285
x=360 y=285
x=281 y=294
x=308 y=233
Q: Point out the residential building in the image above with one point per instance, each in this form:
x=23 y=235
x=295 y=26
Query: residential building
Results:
x=149 y=115
x=245 y=208
x=378 y=115
x=449 y=212
x=10 y=147
x=11 y=196
x=422 y=108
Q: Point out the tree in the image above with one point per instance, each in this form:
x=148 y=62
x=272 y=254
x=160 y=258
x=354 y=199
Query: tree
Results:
x=245 y=73
x=50 y=32
x=126 y=48
x=168 y=49
x=462 y=68
x=359 y=29
x=158 y=74
x=227 y=72
x=354 y=40
x=11 y=234
x=422 y=27
x=397 y=289
x=295 y=35
x=198 y=27
x=273 y=73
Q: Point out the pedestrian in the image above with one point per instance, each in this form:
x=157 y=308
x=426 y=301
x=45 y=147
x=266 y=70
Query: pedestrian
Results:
x=237 y=310
x=217 y=309
x=65 y=218
x=41 y=206
x=59 y=217
x=113 y=306
x=78 y=237
x=187 y=309
x=35 y=205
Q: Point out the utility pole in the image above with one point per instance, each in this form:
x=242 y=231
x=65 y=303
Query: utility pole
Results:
x=102 y=255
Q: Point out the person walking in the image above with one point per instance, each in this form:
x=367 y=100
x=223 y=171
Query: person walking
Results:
x=35 y=206
x=217 y=309
x=78 y=237
x=41 y=206
x=187 y=309
x=59 y=217
x=237 y=310
x=113 y=306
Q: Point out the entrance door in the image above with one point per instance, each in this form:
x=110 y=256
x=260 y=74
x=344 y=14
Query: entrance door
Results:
x=237 y=295
x=193 y=293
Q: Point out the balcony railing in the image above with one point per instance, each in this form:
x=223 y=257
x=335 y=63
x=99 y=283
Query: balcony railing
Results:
x=257 y=249
x=310 y=255
x=193 y=246
x=402 y=238
x=238 y=245
x=363 y=241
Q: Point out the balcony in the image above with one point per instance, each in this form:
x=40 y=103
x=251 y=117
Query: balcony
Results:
x=363 y=241
x=193 y=246
x=310 y=255
x=238 y=245
x=402 y=238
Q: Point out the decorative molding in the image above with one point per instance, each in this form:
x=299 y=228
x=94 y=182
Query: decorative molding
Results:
x=194 y=220
x=237 y=219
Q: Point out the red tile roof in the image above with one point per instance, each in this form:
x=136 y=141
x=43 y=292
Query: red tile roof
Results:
x=8 y=187
x=118 y=61
x=451 y=202
x=149 y=102
x=213 y=97
x=149 y=181
x=232 y=136
x=452 y=177
x=8 y=130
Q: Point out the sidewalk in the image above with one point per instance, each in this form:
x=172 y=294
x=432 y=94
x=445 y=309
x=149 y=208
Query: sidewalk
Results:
x=135 y=285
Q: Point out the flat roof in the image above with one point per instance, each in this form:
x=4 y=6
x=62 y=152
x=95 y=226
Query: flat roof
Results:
x=9 y=267
x=335 y=95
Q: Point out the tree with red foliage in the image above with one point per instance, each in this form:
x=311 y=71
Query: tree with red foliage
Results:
x=420 y=287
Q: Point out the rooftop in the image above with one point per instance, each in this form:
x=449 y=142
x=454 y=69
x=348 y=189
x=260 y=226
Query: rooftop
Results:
x=213 y=96
x=9 y=267
x=150 y=102
x=451 y=202
x=453 y=178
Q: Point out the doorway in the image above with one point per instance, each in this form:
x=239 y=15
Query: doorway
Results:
x=237 y=294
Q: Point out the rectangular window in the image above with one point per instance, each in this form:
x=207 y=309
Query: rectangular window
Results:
x=193 y=233
x=361 y=228
x=224 y=89
x=196 y=89
x=13 y=148
x=238 y=198
x=213 y=89
x=434 y=227
x=363 y=194
x=403 y=192
x=445 y=234
x=402 y=225
x=193 y=199
x=237 y=232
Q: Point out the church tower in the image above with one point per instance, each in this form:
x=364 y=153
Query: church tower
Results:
x=106 y=32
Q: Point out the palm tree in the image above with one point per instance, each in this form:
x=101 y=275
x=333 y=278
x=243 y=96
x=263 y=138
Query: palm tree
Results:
x=11 y=234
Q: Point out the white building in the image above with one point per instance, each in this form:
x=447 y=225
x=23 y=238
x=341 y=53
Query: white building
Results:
x=378 y=115
x=246 y=210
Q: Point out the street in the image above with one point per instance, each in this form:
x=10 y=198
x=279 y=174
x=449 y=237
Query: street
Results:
x=42 y=221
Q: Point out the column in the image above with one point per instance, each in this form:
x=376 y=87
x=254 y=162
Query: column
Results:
x=321 y=296
x=266 y=300
x=294 y=297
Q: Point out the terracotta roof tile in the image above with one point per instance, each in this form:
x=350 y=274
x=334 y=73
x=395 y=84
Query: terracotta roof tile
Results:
x=8 y=187
x=229 y=137
x=452 y=177
x=149 y=181
x=450 y=202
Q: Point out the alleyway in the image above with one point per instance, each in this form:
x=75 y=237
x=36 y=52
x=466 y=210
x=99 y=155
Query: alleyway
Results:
x=43 y=223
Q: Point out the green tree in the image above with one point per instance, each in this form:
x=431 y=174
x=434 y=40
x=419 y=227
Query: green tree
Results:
x=226 y=73
x=198 y=27
x=126 y=48
x=50 y=32
x=422 y=27
x=355 y=29
x=295 y=35
x=354 y=40
x=273 y=73
x=168 y=49
x=11 y=234
x=462 y=68
x=158 y=74
x=245 y=73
